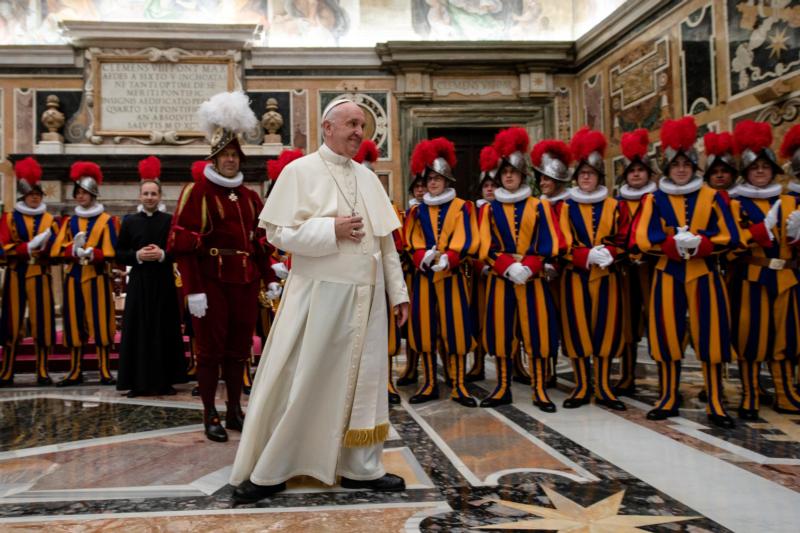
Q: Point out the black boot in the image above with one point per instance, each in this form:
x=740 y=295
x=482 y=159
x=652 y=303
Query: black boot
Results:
x=214 y=429
x=387 y=483
x=70 y=381
x=234 y=417
x=249 y=492
x=394 y=398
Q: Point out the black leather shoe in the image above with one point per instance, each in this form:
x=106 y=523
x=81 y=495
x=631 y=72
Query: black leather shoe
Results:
x=472 y=378
x=722 y=421
x=249 y=492
x=785 y=411
x=44 y=381
x=574 y=403
x=661 y=414
x=525 y=380
x=67 y=382
x=748 y=414
x=195 y=391
x=214 y=429
x=168 y=391
x=108 y=381
x=394 y=398
x=406 y=380
x=494 y=402
x=615 y=405
x=422 y=398
x=466 y=401
x=133 y=394
x=546 y=407
x=387 y=483
x=234 y=418
x=6 y=382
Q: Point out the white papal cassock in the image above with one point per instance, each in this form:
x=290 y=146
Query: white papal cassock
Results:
x=318 y=405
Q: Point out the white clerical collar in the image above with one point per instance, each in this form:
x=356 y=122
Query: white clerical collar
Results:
x=332 y=157
x=749 y=191
x=218 y=179
x=793 y=186
x=161 y=207
x=480 y=202
x=668 y=186
x=89 y=212
x=412 y=202
x=597 y=195
x=504 y=196
x=33 y=211
x=557 y=198
x=441 y=199
x=629 y=193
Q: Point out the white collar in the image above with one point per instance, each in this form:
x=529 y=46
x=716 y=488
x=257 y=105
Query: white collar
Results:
x=412 y=202
x=480 y=202
x=25 y=210
x=793 y=186
x=629 y=193
x=557 y=198
x=505 y=197
x=446 y=196
x=89 y=212
x=668 y=186
x=749 y=191
x=161 y=207
x=332 y=157
x=218 y=179
x=598 y=195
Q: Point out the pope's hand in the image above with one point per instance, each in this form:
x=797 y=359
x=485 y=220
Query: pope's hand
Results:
x=427 y=259
x=274 y=290
x=793 y=226
x=349 y=228
x=38 y=242
x=198 y=303
x=280 y=270
x=80 y=240
x=442 y=264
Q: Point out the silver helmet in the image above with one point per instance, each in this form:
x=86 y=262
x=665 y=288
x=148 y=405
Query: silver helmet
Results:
x=88 y=184
x=440 y=166
x=794 y=164
x=749 y=157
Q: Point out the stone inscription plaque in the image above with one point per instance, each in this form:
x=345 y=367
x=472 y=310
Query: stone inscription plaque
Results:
x=143 y=97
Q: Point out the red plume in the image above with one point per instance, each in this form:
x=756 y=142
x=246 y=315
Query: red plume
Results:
x=80 y=169
x=197 y=170
x=445 y=149
x=28 y=169
x=718 y=143
x=150 y=168
x=511 y=140
x=634 y=144
x=679 y=134
x=276 y=166
x=586 y=141
x=488 y=158
x=368 y=151
x=791 y=142
x=421 y=155
x=557 y=149
x=753 y=135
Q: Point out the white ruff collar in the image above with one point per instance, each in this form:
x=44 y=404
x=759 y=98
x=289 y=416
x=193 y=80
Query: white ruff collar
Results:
x=89 y=212
x=750 y=191
x=161 y=207
x=598 y=195
x=668 y=186
x=218 y=179
x=446 y=196
x=629 y=193
x=557 y=198
x=332 y=157
x=412 y=202
x=481 y=202
x=505 y=197
x=25 y=210
x=793 y=186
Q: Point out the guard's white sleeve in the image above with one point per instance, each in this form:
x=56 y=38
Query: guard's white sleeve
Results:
x=316 y=237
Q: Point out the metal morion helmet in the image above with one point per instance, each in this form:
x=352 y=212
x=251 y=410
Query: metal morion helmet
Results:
x=551 y=158
x=634 y=145
x=752 y=141
x=719 y=151
x=437 y=155
x=790 y=149
x=489 y=162
x=367 y=154
x=512 y=146
x=87 y=176
x=224 y=118
x=677 y=138
x=29 y=176
x=588 y=147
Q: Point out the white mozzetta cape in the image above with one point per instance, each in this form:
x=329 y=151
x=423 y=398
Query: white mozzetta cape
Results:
x=321 y=383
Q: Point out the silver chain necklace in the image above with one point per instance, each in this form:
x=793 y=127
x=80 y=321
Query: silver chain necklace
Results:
x=352 y=205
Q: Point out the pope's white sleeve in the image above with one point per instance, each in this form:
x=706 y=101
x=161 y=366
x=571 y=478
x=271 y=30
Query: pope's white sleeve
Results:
x=316 y=237
x=393 y=272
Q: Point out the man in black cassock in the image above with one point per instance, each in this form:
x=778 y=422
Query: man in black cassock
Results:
x=152 y=354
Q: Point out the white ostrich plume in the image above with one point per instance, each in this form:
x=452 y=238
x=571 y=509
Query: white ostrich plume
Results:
x=230 y=111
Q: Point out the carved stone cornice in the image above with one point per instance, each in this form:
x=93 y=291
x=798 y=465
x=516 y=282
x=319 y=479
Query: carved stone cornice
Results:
x=39 y=56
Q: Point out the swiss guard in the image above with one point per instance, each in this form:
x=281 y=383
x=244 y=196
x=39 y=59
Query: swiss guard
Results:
x=721 y=171
x=222 y=259
x=86 y=243
x=30 y=232
x=790 y=149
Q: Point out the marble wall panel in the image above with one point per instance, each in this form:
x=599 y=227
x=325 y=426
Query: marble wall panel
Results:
x=698 y=63
x=563 y=110
x=300 y=119
x=69 y=103
x=24 y=128
x=593 y=102
x=258 y=102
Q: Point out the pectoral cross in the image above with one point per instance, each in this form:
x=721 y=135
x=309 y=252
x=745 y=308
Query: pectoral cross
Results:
x=232 y=197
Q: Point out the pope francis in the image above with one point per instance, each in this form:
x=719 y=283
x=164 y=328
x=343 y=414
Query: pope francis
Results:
x=318 y=405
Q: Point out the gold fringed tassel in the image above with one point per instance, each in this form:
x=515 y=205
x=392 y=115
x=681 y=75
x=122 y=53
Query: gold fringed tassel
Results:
x=358 y=438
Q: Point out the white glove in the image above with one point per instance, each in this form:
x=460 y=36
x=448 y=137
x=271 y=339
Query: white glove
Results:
x=485 y=270
x=274 y=290
x=600 y=256
x=443 y=264
x=771 y=220
x=80 y=240
x=84 y=253
x=38 y=242
x=550 y=272
x=427 y=259
x=517 y=273
x=686 y=242
x=198 y=303
x=793 y=226
x=280 y=270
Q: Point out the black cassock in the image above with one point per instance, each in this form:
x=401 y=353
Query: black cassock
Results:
x=152 y=354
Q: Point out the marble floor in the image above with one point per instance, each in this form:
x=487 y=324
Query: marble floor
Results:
x=91 y=459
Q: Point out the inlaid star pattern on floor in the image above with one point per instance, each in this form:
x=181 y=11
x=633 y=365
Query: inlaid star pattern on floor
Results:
x=568 y=516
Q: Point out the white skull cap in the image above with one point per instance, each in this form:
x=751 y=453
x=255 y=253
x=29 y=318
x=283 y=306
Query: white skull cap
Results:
x=334 y=103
